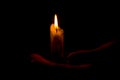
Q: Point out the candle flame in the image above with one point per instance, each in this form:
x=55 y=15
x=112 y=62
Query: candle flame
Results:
x=55 y=21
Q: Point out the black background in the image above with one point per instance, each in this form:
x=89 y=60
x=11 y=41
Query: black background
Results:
x=86 y=26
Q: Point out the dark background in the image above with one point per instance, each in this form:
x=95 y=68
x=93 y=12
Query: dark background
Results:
x=86 y=26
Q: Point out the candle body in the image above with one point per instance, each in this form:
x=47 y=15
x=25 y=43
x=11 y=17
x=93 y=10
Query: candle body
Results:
x=57 y=41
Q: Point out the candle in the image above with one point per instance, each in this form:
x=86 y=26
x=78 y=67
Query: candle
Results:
x=56 y=39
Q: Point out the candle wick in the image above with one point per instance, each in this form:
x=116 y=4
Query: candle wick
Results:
x=56 y=30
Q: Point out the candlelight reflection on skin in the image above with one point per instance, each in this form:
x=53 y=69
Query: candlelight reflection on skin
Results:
x=42 y=60
x=38 y=58
x=106 y=45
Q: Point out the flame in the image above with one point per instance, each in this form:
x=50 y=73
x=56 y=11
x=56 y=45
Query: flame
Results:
x=55 y=21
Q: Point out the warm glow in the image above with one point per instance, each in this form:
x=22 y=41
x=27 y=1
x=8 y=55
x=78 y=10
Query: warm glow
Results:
x=55 y=21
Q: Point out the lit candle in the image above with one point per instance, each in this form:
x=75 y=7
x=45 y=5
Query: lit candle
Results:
x=56 y=38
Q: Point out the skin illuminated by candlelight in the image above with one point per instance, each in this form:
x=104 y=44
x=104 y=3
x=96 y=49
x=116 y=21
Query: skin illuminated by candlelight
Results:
x=39 y=58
